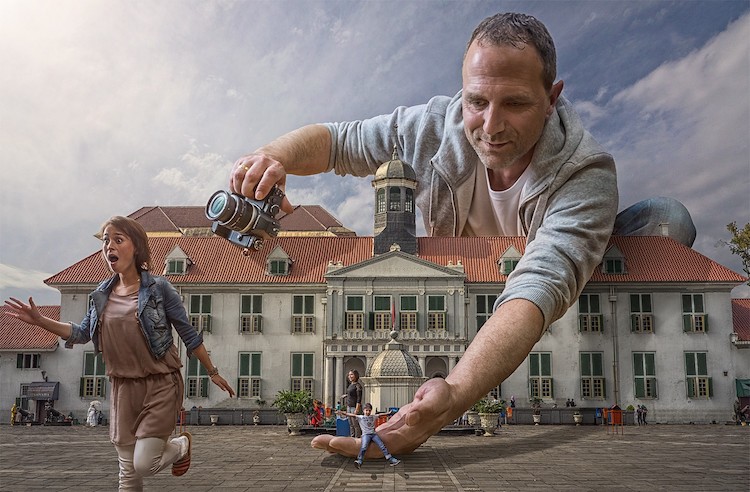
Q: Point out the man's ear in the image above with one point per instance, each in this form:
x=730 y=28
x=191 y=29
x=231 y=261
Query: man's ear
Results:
x=554 y=93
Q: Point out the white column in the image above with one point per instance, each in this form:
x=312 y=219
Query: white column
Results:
x=451 y=363
x=328 y=388
x=423 y=364
x=338 y=386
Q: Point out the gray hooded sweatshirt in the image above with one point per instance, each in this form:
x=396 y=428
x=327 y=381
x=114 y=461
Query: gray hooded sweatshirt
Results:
x=567 y=209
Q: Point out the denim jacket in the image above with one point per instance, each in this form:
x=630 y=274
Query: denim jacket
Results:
x=159 y=309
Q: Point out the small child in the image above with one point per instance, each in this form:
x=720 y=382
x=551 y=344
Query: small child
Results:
x=367 y=423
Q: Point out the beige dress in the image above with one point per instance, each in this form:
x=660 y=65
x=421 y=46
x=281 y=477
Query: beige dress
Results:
x=146 y=392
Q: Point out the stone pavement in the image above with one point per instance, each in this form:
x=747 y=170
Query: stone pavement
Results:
x=519 y=457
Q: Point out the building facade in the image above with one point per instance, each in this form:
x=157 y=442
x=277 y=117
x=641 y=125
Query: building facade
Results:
x=654 y=325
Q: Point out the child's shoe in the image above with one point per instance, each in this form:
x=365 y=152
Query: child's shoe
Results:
x=393 y=461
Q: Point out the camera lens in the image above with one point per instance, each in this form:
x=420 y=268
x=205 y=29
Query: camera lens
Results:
x=232 y=211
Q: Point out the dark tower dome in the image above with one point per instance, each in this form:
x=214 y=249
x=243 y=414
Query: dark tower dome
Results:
x=395 y=213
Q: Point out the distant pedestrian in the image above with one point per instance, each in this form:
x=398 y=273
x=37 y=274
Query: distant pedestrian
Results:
x=644 y=412
x=639 y=414
x=367 y=424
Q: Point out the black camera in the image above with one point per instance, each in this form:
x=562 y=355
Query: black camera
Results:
x=242 y=220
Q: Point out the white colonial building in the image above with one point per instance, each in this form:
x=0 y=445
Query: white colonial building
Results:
x=653 y=326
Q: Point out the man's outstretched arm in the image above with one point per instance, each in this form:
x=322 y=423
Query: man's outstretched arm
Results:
x=498 y=349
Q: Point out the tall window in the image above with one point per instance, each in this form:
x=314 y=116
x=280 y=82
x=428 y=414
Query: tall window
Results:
x=197 y=379
x=592 y=376
x=383 y=312
x=408 y=313
x=699 y=385
x=589 y=313
x=694 y=319
x=409 y=202
x=94 y=380
x=303 y=314
x=200 y=312
x=644 y=374
x=251 y=309
x=355 y=313
x=394 y=199
x=641 y=317
x=28 y=361
x=248 y=383
x=302 y=372
x=381 y=201
x=540 y=375
x=436 y=312
x=485 y=302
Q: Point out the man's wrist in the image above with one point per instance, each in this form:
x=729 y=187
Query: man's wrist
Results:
x=214 y=371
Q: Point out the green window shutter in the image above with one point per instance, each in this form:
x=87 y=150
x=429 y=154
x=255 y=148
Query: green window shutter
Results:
x=80 y=388
x=705 y=323
x=104 y=388
x=698 y=301
x=690 y=387
x=296 y=365
x=204 y=387
x=585 y=364
x=656 y=389
x=552 y=387
x=601 y=323
x=308 y=365
x=702 y=364
x=687 y=324
x=596 y=365
x=633 y=322
x=638 y=364
x=580 y=323
x=244 y=364
x=635 y=303
x=690 y=363
x=710 y=387
x=604 y=388
x=650 y=366
x=255 y=365
x=640 y=388
x=546 y=363
x=687 y=303
x=534 y=364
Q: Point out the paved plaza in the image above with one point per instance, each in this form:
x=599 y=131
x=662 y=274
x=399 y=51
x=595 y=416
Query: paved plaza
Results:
x=518 y=457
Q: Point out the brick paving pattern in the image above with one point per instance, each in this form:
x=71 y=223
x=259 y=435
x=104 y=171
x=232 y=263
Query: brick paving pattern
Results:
x=520 y=457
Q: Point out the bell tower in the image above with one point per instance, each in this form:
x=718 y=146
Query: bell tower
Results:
x=395 y=214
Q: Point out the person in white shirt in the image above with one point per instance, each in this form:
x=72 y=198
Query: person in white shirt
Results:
x=367 y=424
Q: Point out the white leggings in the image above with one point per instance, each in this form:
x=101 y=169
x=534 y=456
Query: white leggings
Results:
x=147 y=457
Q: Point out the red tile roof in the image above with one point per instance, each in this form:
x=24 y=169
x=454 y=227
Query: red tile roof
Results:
x=19 y=336
x=308 y=218
x=171 y=219
x=216 y=261
x=741 y=318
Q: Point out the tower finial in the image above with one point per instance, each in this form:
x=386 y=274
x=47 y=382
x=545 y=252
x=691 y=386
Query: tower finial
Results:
x=394 y=156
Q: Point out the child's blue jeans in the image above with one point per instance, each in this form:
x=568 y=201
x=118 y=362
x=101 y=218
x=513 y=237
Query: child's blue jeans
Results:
x=366 y=438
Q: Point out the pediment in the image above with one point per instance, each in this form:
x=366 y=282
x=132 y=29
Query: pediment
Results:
x=397 y=264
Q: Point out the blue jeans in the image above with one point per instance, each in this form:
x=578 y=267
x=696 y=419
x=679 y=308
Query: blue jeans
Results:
x=646 y=218
x=366 y=438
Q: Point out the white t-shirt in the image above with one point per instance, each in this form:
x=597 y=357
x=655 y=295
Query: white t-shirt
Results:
x=495 y=213
x=367 y=423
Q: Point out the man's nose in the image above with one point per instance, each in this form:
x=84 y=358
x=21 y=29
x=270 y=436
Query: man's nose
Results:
x=494 y=120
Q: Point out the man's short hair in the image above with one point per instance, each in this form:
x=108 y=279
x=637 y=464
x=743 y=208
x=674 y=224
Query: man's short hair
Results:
x=516 y=30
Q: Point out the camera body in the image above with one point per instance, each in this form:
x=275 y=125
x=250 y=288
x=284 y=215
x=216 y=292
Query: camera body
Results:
x=243 y=221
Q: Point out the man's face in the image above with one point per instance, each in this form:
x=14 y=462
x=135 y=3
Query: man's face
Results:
x=505 y=104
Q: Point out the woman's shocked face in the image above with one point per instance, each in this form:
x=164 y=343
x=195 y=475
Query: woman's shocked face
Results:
x=118 y=250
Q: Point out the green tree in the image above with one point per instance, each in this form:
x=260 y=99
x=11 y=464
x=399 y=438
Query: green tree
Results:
x=740 y=245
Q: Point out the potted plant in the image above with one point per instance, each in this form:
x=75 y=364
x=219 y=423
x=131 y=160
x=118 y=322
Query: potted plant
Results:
x=577 y=417
x=294 y=405
x=472 y=415
x=489 y=412
x=536 y=405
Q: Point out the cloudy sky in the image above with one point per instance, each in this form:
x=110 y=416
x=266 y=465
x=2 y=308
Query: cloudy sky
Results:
x=107 y=106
